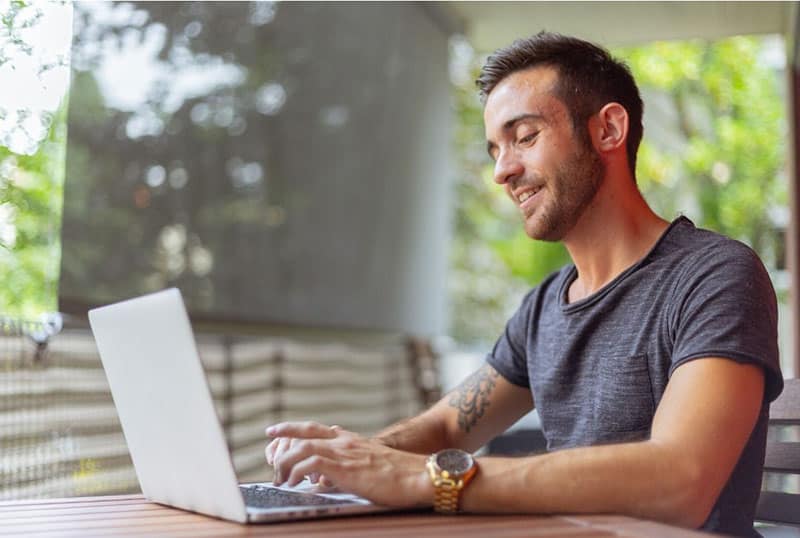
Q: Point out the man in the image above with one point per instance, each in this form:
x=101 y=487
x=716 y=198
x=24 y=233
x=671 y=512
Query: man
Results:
x=652 y=360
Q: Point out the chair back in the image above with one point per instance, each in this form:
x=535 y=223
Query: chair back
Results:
x=782 y=459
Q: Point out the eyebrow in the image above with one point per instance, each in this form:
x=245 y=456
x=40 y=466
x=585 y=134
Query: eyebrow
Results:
x=510 y=124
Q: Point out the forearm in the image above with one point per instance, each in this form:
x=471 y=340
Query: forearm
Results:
x=482 y=407
x=639 y=479
x=423 y=434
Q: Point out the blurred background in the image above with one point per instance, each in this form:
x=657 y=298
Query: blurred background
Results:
x=313 y=177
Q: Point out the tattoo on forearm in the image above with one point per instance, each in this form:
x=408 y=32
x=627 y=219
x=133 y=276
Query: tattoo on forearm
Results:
x=471 y=398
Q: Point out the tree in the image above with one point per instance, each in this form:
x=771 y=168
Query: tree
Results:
x=718 y=150
x=32 y=148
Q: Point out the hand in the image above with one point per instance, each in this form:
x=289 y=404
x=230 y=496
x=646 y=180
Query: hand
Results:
x=354 y=463
x=274 y=452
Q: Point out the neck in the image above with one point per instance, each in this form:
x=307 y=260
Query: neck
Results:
x=614 y=232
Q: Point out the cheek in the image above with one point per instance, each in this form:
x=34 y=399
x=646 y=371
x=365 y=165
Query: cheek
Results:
x=542 y=154
x=551 y=157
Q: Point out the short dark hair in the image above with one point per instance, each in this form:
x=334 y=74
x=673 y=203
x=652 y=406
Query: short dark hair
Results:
x=588 y=78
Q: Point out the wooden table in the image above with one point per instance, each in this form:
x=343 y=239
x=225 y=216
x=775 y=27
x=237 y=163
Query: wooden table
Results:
x=133 y=516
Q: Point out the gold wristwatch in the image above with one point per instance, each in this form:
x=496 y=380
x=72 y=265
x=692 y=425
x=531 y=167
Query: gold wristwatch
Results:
x=450 y=471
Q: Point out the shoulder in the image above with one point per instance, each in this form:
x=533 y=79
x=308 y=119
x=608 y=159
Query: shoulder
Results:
x=724 y=305
x=704 y=253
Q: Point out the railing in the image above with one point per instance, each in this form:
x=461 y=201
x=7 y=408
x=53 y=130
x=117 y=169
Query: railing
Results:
x=59 y=432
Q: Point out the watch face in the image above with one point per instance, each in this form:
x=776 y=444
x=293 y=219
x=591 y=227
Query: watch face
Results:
x=454 y=461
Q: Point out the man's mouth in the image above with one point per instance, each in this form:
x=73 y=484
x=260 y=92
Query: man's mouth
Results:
x=527 y=198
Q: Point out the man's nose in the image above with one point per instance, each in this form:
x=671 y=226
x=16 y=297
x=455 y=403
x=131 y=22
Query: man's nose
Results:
x=507 y=167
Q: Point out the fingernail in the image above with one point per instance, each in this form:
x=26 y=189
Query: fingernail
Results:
x=270 y=431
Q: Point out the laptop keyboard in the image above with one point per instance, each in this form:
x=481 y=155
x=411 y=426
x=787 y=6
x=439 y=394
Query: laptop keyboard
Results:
x=268 y=497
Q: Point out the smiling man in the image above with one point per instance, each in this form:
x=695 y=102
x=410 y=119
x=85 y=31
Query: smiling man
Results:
x=651 y=359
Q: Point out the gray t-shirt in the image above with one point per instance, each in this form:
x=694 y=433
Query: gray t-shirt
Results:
x=598 y=367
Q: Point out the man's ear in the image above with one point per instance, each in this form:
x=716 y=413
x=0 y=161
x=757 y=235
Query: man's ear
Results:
x=609 y=127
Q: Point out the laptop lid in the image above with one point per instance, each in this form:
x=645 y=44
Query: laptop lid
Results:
x=164 y=404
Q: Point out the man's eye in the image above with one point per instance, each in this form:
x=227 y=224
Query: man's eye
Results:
x=528 y=138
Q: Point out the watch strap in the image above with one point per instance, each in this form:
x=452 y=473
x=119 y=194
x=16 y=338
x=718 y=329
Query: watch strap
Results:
x=446 y=496
x=447 y=490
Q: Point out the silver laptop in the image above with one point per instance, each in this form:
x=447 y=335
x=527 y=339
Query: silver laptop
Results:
x=170 y=424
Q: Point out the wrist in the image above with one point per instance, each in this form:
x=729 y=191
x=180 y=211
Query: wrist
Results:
x=414 y=488
x=425 y=490
x=449 y=472
x=385 y=440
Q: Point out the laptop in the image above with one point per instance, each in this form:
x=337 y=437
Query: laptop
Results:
x=172 y=430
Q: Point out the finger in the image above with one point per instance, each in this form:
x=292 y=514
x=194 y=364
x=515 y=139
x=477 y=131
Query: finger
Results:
x=269 y=451
x=284 y=445
x=325 y=484
x=299 y=451
x=303 y=430
x=312 y=464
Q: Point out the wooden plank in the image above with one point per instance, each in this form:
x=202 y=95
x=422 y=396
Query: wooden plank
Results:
x=779 y=507
x=22 y=399
x=91 y=521
x=105 y=514
x=501 y=532
x=596 y=520
x=103 y=481
x=10 y=515
x=782 y=457
x=630 y=526
x=130 y=515
x=651 y=529
x=51 y=379
x=47 y=453
x=787 y=407
x=72 y=500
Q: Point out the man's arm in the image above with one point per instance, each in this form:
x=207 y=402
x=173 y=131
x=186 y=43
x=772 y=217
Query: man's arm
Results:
x=700 y=428
x=481 y=407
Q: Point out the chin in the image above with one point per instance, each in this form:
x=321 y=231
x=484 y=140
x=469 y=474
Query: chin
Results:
x=539 y=233
x=541 y=230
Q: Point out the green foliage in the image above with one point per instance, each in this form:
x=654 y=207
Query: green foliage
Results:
x=30 y=266
x=727 y=170
x=714 y=149
x=31 y=194
x=15 y=18
x=30 y=191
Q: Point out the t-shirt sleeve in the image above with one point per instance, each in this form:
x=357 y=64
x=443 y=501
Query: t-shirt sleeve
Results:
x=508 y=356
x=726 y=307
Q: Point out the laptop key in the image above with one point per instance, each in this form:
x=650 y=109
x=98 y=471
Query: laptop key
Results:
x=269 y=497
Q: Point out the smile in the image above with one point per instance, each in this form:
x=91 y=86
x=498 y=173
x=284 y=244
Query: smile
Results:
x=527 y=194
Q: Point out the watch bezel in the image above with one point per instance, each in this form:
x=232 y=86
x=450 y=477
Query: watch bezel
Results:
x=442 y=459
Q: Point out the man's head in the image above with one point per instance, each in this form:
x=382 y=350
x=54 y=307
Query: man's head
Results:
x=561 y=117
x=588 y=78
